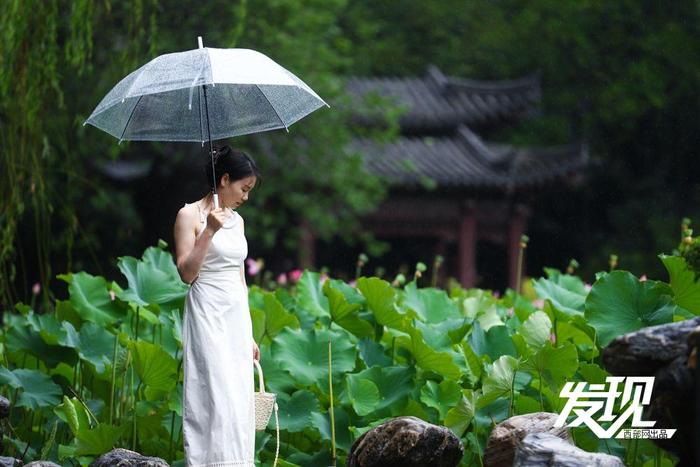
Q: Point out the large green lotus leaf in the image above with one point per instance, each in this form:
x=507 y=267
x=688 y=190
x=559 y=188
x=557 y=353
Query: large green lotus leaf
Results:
x=304 y=354
x=276 y=317
x=295 y=411
x=373 y=353
x=593 y=373
x=440 y=335
x=363 y=394
x=429 y=359
x=536 y=329
x=500 y=381
x=381 y=298
x=149 y=283
x=494 y=342
x=684 y=283
x=47 y=326
x=99 y=440
x=257 y=317
x=90 y=298
x=345 y=314
x=441 y=396
x=432 y=305
x=277 y=379
x=322 y=422
x=66 y=312
x=21 y=337
x=162 y=260
x=73 y=413
x=570 y=332
x=93 y=343
x=350 y=293
x=394 y=383
x=155 y=367
x=473 y=367
x=565 y=298
x=38 y=390
x=620 y=303
x=460 y=416
x=555 y=364
x=310 y=294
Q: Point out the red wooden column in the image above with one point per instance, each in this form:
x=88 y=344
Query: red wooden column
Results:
x=516 y=228
x=467 y=246
x=307 y=247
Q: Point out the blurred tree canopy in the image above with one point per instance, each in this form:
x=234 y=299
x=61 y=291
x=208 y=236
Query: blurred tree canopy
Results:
x=623 y=75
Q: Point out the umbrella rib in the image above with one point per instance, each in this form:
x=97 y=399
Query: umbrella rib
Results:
x=129 y=121
x=273 y=108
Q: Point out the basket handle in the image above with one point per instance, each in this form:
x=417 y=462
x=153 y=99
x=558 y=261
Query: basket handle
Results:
x=260 y=375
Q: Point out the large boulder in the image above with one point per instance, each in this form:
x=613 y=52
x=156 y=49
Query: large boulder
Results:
x=669 y=353
x=9 y=462
x=125 y=458
x=507 y=435
x=546 y=450
x=644 y=352
x=406 y=442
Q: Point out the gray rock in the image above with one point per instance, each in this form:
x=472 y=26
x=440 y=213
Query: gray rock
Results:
x=669 y=353
x=644 y=352
x=41 y=464
x=125 y=458
x=9 y=462
x=4 y=407
x=406 y=442
x=507 y=435
x=545 y=450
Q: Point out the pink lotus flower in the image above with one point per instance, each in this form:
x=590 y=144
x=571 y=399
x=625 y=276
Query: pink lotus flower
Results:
x=353 y=283
x=538 y=303
x=588 y=287
x=295 y=275
x=552 y=338
x=253 y=266
x=643 y=278
x=36 y=289
x=282 y=279
x=323 y=278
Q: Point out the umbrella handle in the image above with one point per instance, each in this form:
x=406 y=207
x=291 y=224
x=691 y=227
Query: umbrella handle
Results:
x=216 y=201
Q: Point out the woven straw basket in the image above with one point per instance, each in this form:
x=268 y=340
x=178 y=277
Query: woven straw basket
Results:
x=264 y=402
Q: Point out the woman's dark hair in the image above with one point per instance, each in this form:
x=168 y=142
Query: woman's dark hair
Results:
x=237 y=164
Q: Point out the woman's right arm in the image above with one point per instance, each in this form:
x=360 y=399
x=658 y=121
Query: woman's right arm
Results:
x=190 y=249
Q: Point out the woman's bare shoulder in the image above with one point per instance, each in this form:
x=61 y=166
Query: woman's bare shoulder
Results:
x=187 y=216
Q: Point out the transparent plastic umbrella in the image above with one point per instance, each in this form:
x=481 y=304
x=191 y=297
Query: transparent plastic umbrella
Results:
x=202 y=95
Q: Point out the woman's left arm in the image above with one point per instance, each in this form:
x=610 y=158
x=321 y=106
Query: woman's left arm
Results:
x=242 y=268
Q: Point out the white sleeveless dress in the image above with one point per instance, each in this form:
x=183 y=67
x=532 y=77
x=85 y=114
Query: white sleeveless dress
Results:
x=218 y=402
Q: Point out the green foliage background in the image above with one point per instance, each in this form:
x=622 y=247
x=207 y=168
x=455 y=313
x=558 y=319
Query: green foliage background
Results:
x=623 y=75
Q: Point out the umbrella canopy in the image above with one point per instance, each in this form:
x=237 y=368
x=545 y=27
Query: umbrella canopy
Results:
x=174 y=96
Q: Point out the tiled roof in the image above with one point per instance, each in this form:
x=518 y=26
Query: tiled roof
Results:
x=466 y=161
x=437 y=102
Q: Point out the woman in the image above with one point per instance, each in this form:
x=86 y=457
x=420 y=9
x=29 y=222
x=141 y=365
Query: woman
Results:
x=218 y=406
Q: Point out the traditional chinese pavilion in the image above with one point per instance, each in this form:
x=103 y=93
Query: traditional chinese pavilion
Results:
x=452 y=191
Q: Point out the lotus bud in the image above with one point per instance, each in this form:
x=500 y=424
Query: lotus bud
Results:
x=400 y=279
x=282 y=279
x=573 y=265
x=295 y=275
x=524 y=240
x=613 y=261
x=362 y=259
x=36 y=289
